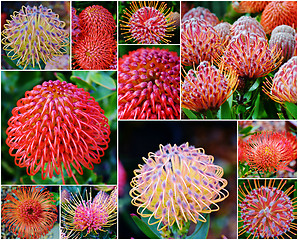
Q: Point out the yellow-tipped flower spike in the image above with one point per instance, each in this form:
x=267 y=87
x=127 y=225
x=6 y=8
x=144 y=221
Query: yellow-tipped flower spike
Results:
x=177 y=184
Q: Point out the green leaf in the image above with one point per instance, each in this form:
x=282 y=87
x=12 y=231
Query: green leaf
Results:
x=201 y=230
x=11 y=63
x=103 y=79
x=144 y=227
x=60 y=76
x=257 y=108
x=81 y=83
x=255 y=85
x=189 y=113
x=291 y=109
x=225 y=111
x=246 y=130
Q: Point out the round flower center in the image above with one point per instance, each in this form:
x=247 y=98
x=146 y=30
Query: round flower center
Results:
x=30 y=211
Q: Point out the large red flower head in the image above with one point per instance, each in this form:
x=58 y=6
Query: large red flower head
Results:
x=279 y=13
x=55 y=127
x=201 y=13
x=149 y=85
x=249 y=6
x=283 y=87
x=29 y=212
x=199 y=42
x=269 y=151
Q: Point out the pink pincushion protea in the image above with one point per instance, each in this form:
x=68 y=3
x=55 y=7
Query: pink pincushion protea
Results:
x=201 y=13
x=249 y=24
x=267 y=211
x=269 y=151
x=199 y=42
x=177 y=184
x=149 y=85
x=207 y=87
x=57 y=127
x=283 y=87
x=224 y=31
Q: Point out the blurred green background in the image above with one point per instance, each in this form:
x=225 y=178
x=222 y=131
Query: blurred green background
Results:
x=101 y=85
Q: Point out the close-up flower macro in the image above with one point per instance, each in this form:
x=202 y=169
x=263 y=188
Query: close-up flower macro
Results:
x=94 y=45
x=29 y=212
x=149 y=82
x=35 y=35
x=267 y=149
x=267 y=209
x=89 y=212
x=253 y=41
x=149 y=22
x=177 y=184
x=57 y=132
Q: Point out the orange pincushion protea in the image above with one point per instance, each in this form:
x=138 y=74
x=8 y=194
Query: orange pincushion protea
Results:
x=29 y=212
x=279 y=13
x=249 y=6
x=201 y=13
x=207 y=87
x=177 y=184
x=283 y=87
x=269 y=151
x=55 y=127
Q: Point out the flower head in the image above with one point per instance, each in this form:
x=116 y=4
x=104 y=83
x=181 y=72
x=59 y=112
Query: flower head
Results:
x=249 y=6
x=224 y=31
x=249 y=55
x=177 y=184
x=207 y=87
x=147 y=23
x=201 y=13
x=55 y=127
x=199 y=42
x=268 y=151
x=90 y=215
x=283 y=87
x=279 y=13
x=29 y=212
x=248 y=24
x=149 y=85
x=34 y=35
x=267 y=211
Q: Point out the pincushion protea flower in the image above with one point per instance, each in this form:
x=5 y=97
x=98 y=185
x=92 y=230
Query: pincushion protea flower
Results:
x=199 y=42
x=249 y=6
x=279 y=13
x=269 y=151
x=34 y=35
x=201 y=13
x=224 y=31
x=177 y=184
x=90 y=215
x=249 y=55
x=29 y=212
x=207 y=87
x=149 y=85
x=267 y=211
x=55 y=127
x=283 y=87
x=147 y=23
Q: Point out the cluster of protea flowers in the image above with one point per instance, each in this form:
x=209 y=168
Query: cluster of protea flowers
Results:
x=89 y=215
x=94 y=45
x=147 y=23
x=269 y=151
x=267 y=211
x=177 y=184
x=149 y=85
x=33 y=36
x=57 y=127
x=283 y=87
x=29 y=212
x=207 y=87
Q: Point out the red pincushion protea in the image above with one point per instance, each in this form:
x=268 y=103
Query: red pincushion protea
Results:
x=267 y=211
x=201 y=13
x=29 y=212
x=94 y=52
x=207 y=87
x=147 y=23
x=55 y=127
x=283 y=87
x=97 y=18
x=249 y=24
x=279 y=13
x=199 y=42
x=268 y=151
x=249 y=6
x=149 y=85
x=249 y=55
